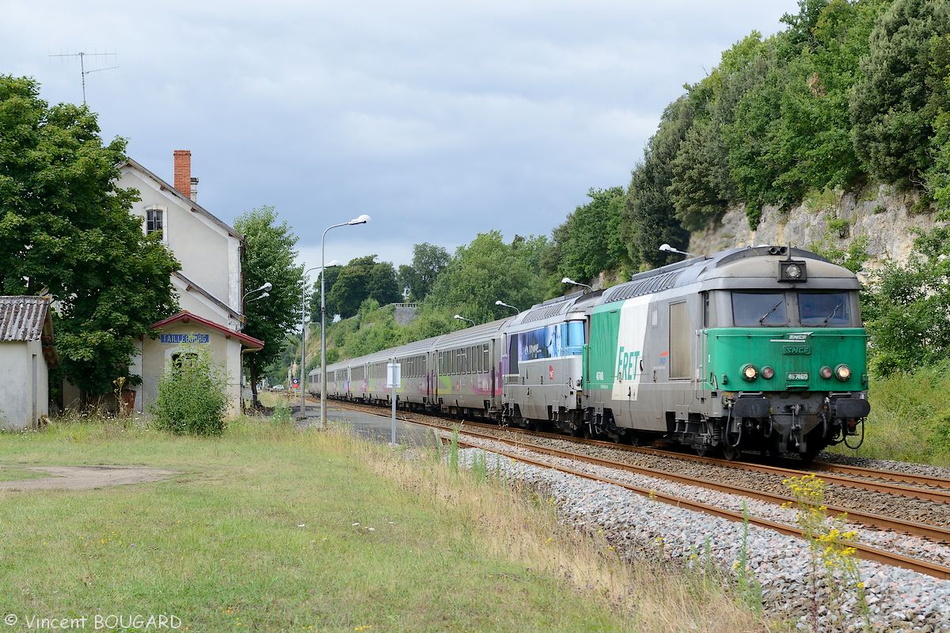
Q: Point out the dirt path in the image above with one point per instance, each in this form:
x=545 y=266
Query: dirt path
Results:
x=87 y=477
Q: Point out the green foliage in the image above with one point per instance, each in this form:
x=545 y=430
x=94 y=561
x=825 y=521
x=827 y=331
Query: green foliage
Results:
x=649 y=211
x=906 y=308
x=589 y=242
x=488 y=270
x=938 y=175
x=269 y=257
x=427 y=262
x=751 y=137
x=65 y=229
x=361 y=279
x=191 y=396
x=910 y=417
x=896 y=103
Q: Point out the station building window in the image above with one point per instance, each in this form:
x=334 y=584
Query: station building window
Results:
x=155 y=221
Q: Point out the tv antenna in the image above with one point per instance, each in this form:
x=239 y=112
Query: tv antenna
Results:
x=82 y=66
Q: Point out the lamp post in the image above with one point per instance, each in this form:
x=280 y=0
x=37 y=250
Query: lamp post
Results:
x=666 y=248
x=461 y=318
x=363 y=219
x=568 y=280
x=266 y=287
x=303 y=336
x=502 y=303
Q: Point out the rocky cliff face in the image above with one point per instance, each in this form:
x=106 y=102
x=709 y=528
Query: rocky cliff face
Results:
x=882 y=218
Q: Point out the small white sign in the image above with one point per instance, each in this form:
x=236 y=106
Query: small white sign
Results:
x=393 y=375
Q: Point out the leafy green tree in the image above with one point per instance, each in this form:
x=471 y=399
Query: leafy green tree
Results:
x=701 y=187
x=648 y=209
x=938 y=175
x=812 y=141
x=427 y=262
x=906 y=308
x=269 y=257
x=754 y=162
x=589 y=241
x=66 y=230
x=895 y=104
x=361 y=279
x=489 y=270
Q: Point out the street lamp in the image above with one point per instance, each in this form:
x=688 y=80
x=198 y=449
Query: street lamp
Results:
x=568 y=280
x=461 y=318
x=502 y=303
x=363 y=219
x=266 y=287
x=666 y=248
x=303 y=336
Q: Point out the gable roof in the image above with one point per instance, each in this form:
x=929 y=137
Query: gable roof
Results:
x=23 y=318
x=171 y=191
x=186 y=317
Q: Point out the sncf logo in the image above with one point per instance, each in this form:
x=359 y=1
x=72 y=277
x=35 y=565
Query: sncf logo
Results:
x=627 y=364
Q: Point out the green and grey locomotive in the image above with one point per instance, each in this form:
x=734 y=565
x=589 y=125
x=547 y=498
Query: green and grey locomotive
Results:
x=756 y=348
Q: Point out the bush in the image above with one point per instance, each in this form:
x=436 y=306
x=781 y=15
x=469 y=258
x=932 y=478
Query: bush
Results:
x=191 y=396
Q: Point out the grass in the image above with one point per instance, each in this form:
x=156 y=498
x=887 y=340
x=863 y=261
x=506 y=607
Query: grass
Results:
x=910 y=418
x=11 y=473
x=271 y=529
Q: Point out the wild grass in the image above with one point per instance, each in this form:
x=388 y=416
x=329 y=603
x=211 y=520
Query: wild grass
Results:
x=272 y=529
x=910 y=418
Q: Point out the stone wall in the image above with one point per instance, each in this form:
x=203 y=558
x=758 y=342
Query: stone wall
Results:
x=884 y=217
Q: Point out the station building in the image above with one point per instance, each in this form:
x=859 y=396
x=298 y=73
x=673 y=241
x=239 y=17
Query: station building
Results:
x=209 y=284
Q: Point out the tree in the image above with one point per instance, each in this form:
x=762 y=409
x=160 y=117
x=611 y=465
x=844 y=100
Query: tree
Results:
x=589 y=241
x=361 y=279
x=907 y=308
x=488 y=270
x=938 y=175
x=269 y=257
x=894 y=107
x=427 y=262
x=66 y=230
x=649 y=210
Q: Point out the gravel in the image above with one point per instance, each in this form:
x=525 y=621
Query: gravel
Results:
x=638 y=527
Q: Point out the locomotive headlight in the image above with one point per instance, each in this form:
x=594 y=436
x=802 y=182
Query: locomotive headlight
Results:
x=789 y=270
x=749 y=372
x=825 y=372
x=767 y=373
x=842 y=372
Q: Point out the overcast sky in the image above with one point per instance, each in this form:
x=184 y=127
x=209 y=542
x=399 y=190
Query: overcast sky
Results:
x=440 y=119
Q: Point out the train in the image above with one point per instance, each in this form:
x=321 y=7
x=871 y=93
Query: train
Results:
x=750 y=350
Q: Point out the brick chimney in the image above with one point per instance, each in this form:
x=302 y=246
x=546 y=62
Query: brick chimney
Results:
x=183 y=172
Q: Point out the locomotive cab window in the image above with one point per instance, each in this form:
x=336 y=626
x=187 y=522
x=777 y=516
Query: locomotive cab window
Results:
x=759 y=308
x=825 y=309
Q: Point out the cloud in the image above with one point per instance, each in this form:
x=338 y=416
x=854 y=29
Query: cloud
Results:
x=442 y=120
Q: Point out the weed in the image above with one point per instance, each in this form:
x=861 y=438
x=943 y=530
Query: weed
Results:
x=191 y=396
x=833 y=561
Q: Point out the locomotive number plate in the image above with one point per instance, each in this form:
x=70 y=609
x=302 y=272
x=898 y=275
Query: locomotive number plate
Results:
x=797 y=376
x=796 y=350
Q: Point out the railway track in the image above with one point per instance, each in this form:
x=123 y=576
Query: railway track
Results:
x=602 y=461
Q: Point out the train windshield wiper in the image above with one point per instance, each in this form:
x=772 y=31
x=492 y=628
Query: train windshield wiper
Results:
x=771 y=310
x=833 y=312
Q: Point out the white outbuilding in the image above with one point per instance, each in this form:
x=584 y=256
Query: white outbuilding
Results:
x=26 y=355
